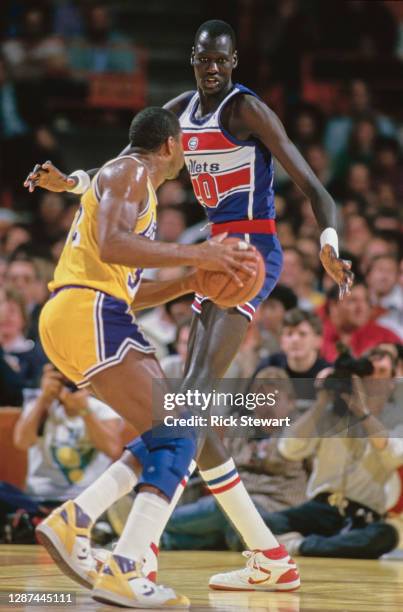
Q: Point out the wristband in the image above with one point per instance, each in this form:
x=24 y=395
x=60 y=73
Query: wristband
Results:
x=329 y=236
x=363 y=417
x=83 y=183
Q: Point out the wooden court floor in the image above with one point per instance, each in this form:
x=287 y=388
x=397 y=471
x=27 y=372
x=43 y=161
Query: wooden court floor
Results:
x=328 y=584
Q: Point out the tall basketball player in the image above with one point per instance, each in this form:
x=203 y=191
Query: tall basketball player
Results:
x=230 y=137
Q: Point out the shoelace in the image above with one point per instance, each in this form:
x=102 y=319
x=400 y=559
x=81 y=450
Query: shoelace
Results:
x=252 y=563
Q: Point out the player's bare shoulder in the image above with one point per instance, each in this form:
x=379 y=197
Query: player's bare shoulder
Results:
x=240 y=111
x=125 y=175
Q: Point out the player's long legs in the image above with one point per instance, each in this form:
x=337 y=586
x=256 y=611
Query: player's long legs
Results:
x=216 y=336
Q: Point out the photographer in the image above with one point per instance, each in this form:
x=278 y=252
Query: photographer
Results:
x=273 y=482
x=354 y=456
x=71 y=438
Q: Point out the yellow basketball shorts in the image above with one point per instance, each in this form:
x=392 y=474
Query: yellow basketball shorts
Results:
x=84 y=331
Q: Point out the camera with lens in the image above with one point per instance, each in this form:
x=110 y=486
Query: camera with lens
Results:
x=340 y=381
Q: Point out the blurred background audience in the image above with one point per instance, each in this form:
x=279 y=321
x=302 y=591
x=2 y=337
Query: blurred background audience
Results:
x=72 y=74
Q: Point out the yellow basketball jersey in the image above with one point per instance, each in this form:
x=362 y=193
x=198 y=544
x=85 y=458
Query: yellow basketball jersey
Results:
x=80 y=262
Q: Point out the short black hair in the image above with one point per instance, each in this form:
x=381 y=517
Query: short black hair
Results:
x=152 y=127
x=216 y=28
x=285 y=295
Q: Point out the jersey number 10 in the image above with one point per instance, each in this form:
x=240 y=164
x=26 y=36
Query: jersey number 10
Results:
x=205 y=188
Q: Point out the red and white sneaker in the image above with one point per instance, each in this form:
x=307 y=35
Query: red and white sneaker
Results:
x=266 y=570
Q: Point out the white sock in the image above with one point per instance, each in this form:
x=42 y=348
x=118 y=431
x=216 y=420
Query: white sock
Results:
x=143 y=526
x=225 y=484
x=118 y=480
x=151 y=556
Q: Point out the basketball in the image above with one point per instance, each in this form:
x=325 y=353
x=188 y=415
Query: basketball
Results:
x=222 y=289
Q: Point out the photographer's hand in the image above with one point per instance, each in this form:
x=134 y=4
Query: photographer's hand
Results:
x=29 y=424
x=105 y=435
x=357 y=404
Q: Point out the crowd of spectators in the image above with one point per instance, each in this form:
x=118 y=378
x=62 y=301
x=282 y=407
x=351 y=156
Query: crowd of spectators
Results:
x=295 y=336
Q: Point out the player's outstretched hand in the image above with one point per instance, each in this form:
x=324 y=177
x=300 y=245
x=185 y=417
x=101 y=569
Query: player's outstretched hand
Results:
x=48 y=177
x=338 y=269
x=229 y=258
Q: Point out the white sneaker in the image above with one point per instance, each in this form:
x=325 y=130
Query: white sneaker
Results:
x=270 y=570
x=122 y=583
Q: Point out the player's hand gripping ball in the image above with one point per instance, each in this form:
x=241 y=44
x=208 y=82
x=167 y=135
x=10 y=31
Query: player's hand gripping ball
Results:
x=223 y=290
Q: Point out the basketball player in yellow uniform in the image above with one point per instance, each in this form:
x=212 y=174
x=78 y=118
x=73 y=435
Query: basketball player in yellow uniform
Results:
x=89 y=332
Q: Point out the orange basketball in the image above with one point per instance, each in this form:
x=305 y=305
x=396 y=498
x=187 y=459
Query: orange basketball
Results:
x=223 y=290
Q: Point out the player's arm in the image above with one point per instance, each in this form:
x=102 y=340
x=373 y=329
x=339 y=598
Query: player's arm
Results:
x=154 y=293
x=251 y=117
x=47 y=176
x=123 y=188
x=178 y=104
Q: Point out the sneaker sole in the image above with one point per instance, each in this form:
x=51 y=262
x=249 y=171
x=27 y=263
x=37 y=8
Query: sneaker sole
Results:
x=51 y=541
x=107 y=597
x=290 y=586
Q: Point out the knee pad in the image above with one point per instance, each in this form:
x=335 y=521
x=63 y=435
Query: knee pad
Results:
x=167 y=461
x=138 y=449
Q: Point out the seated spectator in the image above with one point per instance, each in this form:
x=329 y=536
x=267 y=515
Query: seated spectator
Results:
x=248 y=355
x=352 y=204
x=350 y=321
x=71 y=438
x=379 y=245
x=309 y=249
x=272 y=482
x=173 y=365
x=47 y=228
x=270 y=316
x=300 y=341
x=385 y=292
x=171 y=224
x=23 y=276
x=318 y=159
x=36 y=53
x=297 y=275
x=18 y=235
x=347 y=497
x=11 y=383
x=357 y=234
x=171 y=193
x=356 y=184
x=360 y=149
x=24 y=355
x=102 y=49
x=67 y=19
x=359 y=102
x=160 y=324
x=387 y=220
x=305 y=125
x=387 y=166
x=3 y=269
x=21 y=109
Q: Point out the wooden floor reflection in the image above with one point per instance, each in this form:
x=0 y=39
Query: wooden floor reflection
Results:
x=328 y=584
